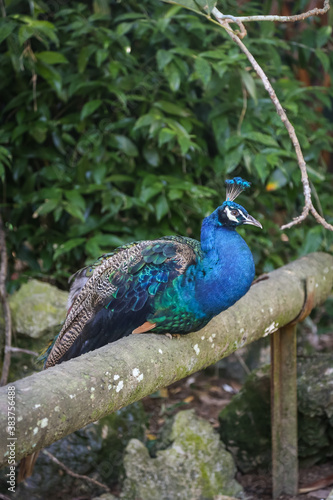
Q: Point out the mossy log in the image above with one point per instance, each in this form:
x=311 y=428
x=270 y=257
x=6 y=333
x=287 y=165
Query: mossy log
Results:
x=53 y=403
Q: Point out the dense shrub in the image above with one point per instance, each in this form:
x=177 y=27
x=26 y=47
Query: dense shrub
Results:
x=121 y=120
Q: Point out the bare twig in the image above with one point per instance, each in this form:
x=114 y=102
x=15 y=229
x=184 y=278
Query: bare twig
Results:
x=3 y=9
x=321 y=483
x=4 y=497
x=34 y=89
x=231 y=19
x=242 y=363
x=18 y=349
x=73 y=474
x=5 y=304
x=308 y=207
x=285 y=19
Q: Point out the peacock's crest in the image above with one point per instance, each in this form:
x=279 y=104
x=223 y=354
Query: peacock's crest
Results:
x=234 y=187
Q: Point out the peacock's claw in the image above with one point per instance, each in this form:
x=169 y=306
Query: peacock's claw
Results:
x=173 y=335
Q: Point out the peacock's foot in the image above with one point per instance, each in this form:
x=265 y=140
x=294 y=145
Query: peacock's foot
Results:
x=175 y=335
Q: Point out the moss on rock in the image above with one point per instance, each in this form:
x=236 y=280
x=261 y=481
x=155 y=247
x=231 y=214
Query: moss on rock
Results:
x=37 y=307
x=195 y=466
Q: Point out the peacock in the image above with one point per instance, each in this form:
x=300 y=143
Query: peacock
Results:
x=173 y=285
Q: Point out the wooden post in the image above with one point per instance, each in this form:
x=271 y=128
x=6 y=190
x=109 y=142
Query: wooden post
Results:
x=284 y=411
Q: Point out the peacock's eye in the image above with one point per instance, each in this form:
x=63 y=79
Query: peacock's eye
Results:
x=234 y=212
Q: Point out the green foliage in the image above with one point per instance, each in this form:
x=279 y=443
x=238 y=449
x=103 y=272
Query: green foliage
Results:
x=122 y=120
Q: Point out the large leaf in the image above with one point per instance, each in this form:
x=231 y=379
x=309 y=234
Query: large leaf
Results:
x=125 y=145
x=83 y=57
x=163 y=58
x=150 y=189
x=261 y=138
x=206 y=5
x=152 y=156
x=172 y=73
x=261 y=166
x=75 y=198
x=51 y=75
x=250 y=85
x=145 y=121
x=232 y=159
x=323 y=35
x=75 y=211
x=165 y=135
x=90 y=107
x=189 y=4
x=49 y=57
x=5 y=161
x=197 y=5
x=161 y=207
x=38 y=29
x=324 y=59
x=203 y=69
x=67 y=246
x=313 y=241
x=173 y=109
x=39 y=132
x=6 y=28
x=47 y=207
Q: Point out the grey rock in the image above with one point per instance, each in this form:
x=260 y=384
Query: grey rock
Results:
x=96 y=451
x=106 y=496
x=37 y=307
x=245 y=423
x=196 y=465
x=224 y=497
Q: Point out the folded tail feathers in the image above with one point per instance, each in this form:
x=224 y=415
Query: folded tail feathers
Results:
x=26 y=466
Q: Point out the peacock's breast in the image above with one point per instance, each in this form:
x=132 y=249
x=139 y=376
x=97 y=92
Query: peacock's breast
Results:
x=207 y=288
x=225 y=277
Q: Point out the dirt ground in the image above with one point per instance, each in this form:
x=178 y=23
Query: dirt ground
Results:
x=208 y=395
x=259 y=487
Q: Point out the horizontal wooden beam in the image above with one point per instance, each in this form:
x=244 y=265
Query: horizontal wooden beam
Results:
x=53 y=403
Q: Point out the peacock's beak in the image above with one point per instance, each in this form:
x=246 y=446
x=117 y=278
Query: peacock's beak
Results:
x=251 y=220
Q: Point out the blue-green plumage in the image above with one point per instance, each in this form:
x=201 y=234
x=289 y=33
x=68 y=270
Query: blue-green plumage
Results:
x=173 y=284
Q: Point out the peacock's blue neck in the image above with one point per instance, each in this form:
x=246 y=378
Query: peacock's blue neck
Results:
x=225 y=271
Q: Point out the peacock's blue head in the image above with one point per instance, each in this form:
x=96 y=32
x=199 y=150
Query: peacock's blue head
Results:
x=230 y=214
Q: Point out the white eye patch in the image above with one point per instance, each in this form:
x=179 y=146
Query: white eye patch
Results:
x=233 y=217
x=229 y=215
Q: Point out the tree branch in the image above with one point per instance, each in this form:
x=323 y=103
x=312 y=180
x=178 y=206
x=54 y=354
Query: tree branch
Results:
x=74 y=474
x=285 y=19
x=100 y=382
x=308 y=207
x=20 y=350
x=5 y=304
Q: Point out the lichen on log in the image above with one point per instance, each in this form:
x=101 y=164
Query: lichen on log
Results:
x=65 y=398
